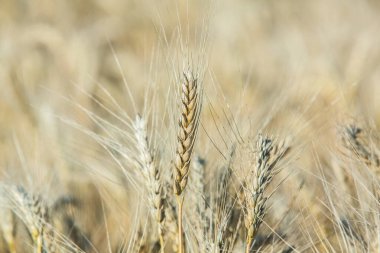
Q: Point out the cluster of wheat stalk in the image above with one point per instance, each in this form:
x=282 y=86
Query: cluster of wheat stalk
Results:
x=189 y=126
x=227 y=214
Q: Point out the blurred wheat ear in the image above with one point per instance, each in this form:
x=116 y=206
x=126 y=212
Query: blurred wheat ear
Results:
x=187 y=132
x=151 y=175
x=351 y=140
x=268 y=156
x=34 y=212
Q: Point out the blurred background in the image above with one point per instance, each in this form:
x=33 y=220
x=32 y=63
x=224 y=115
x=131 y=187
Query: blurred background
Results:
x=293 y=53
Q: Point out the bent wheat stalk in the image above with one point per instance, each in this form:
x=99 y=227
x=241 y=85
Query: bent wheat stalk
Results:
x=187 y=132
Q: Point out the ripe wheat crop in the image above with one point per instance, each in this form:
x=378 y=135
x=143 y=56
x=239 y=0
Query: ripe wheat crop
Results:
x=179 y=126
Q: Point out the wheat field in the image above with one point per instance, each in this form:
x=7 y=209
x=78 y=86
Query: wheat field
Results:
x=189 y=126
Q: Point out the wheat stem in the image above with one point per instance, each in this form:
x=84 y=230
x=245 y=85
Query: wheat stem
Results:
x=180 y=229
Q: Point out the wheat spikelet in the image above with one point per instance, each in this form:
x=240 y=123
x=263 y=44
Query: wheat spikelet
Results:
x=255 y=202
x=152 y=176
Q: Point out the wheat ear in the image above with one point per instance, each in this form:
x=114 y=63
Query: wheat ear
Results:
x=34 y=213
x=152 y=176
x=351 y=139
x=255 y=202
x=187 y=132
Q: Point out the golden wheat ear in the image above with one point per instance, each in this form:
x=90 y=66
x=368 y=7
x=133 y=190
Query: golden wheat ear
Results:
x=187 y=132
x=188 y=127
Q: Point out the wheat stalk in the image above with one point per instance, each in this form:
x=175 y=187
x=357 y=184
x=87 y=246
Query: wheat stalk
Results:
x=255 y=201
x=187 y=132
x=152 y=176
